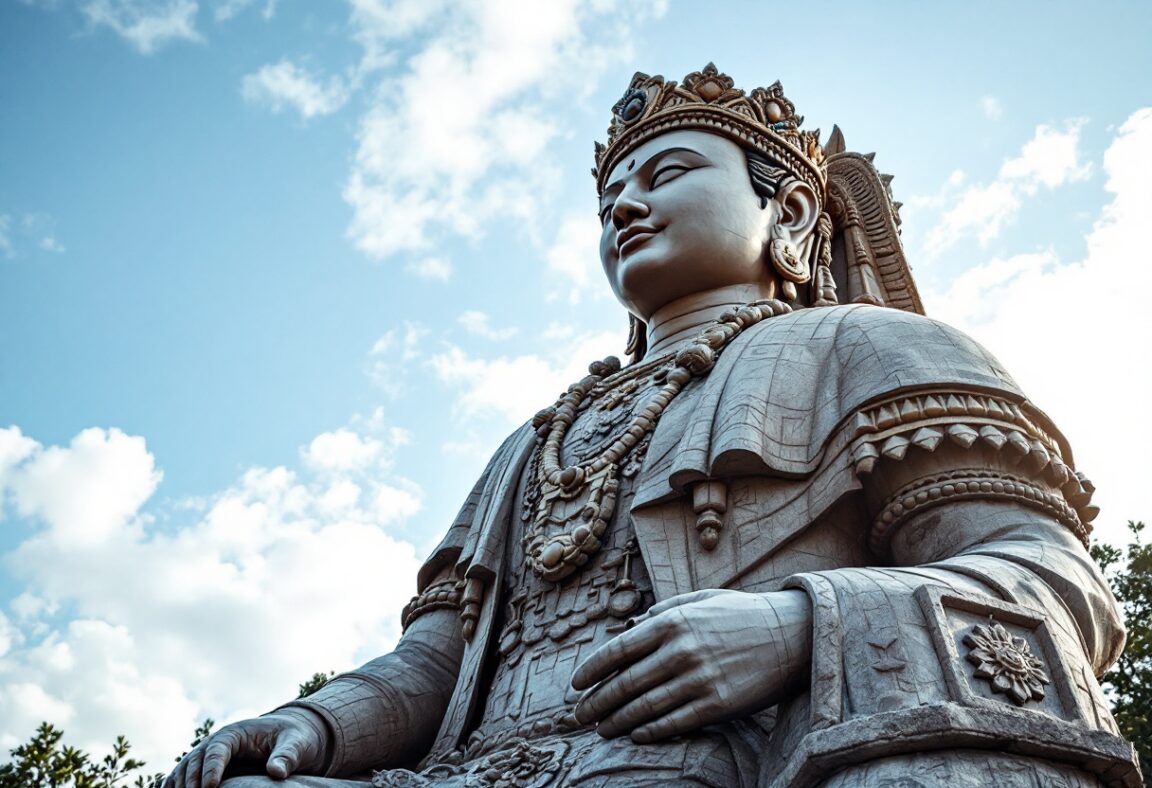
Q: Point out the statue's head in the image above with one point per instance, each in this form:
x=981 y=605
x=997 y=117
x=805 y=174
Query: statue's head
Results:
x=702 y=186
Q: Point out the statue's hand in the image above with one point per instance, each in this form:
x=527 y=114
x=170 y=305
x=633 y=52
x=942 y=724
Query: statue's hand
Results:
x=696 y=659
x=287 y=741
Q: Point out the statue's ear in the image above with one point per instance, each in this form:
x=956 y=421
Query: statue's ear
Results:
x=799 y=210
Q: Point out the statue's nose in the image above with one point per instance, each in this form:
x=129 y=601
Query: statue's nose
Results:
x=628 y=207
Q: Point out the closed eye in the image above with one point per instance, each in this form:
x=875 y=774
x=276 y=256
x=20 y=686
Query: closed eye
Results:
x=669 y=173
x=605 y=212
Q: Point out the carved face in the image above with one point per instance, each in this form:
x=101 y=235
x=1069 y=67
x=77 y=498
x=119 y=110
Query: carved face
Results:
x=680 y=217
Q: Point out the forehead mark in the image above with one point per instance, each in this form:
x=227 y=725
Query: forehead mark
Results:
x=631 y=164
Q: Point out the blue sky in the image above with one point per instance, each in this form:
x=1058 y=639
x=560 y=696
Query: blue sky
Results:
x=276 y=277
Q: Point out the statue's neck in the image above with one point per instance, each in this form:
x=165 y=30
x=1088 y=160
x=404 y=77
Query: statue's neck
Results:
x=683 y=318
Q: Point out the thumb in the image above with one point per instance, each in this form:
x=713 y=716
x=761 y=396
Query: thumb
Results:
x=285 y=756
x=683 y=599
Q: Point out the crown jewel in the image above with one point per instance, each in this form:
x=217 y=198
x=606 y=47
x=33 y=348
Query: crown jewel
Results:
x=708 y=101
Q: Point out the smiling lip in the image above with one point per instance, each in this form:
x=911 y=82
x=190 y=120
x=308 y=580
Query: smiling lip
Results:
x=633 y=236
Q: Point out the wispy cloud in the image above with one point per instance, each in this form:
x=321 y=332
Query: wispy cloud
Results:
x=390 y=359
x=284 y=85
x=28 y=233
x=6 y=249
x=227 y=9
x=436 y=268
x=1049 y=160
x=990 y=106
x=147 y=25
x=480 y=324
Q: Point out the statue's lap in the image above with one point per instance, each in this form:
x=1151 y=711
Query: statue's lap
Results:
x=585 y=761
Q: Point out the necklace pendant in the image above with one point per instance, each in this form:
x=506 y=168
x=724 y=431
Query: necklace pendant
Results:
x=569 y=524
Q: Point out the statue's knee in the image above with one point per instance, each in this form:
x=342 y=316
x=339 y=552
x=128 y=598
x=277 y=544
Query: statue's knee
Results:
x=960 y=769
x=296 y=781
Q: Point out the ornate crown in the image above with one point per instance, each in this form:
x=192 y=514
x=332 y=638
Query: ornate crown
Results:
x=706 y=100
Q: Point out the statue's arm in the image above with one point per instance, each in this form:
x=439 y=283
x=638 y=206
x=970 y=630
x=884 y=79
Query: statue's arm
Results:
x=984 y=521
x=1009 y=551
x=386 y=713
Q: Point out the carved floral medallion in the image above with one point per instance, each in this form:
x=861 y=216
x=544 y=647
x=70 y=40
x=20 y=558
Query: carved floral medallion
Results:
x=1006 y=662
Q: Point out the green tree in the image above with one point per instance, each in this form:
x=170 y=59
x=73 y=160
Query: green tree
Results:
x=1128 y=685
x=44 y=763
x=317 y=681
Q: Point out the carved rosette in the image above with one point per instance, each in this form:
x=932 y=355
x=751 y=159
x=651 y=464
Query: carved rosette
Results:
x=1006 y=662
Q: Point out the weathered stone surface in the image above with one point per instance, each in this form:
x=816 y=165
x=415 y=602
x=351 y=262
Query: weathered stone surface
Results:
x=807 y=537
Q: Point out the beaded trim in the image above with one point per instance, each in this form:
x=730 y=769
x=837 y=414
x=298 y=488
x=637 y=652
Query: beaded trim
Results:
x=968 y=484
x=442 y=595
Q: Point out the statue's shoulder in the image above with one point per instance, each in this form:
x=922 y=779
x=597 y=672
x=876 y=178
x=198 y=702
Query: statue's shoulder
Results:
x=864 y=351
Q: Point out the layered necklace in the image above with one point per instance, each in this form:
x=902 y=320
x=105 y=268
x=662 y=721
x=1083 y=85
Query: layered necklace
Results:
x=573 y=504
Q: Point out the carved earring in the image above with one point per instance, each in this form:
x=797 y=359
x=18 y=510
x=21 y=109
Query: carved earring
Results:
x=786 y=260
x=637 y=339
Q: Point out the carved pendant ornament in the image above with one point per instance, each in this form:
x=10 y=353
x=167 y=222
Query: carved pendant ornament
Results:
x=573 y=504
x=1006 y=662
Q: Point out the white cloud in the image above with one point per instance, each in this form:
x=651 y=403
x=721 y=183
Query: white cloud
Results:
x=1084 y=323
x=285 y=85
x=391 y=355
x=107 y=475
x=227 y=9
x=990 y=106
x=1050 y=159
x=437 y=268
x=49 y=244
x=5 y=236
x=480 y=324
x=460 y=137
x=574 y=256
x=282 y=574
x=145 y=24
x=341 y=450
x=515 y=387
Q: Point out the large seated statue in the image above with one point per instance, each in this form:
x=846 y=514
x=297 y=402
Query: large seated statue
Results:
x=807 y=537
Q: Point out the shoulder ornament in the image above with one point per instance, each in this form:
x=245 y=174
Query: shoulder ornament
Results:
x=1018 y=458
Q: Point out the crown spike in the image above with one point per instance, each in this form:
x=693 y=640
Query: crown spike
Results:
x=835 y=143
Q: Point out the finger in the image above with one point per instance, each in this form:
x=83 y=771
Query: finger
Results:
x=285 y=756
x=689 y=717
x=684 y=599
x=194 y=763
x=177 y=776
x=629 y=684
x=620 y=651
x=217 y=754
x=650 y=706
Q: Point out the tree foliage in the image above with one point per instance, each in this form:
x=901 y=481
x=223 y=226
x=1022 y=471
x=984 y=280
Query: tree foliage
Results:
x=1129 y=684
x=317 y=681
x=44 y=763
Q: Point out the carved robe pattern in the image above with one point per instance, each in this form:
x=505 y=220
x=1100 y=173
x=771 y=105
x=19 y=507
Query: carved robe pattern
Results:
x=984 y=521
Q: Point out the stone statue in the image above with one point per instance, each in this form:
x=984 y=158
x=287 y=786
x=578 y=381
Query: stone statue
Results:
x=807 y=537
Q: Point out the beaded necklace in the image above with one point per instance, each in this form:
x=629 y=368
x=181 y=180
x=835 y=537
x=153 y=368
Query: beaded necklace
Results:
x=574 y=504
